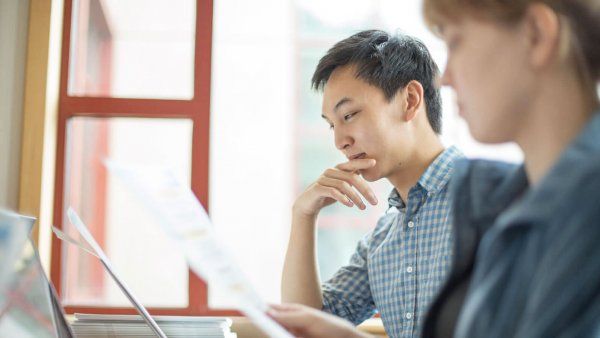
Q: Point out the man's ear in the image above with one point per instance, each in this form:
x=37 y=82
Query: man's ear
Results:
x=413 y=99
x=543 y=34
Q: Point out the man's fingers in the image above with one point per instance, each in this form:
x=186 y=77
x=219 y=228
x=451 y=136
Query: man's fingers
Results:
x=335 y=186
x=354 y=165
x=311 y=323
x=285 y=307
x=356 y=181
x=293 y=320
x=337 y=195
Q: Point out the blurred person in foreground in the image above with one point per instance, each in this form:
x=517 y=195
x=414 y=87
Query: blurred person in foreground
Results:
x=527 y=253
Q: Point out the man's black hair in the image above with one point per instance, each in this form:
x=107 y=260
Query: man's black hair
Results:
x=388 y=62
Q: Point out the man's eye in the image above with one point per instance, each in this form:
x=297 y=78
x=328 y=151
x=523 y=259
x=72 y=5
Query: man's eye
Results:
x=349 y=116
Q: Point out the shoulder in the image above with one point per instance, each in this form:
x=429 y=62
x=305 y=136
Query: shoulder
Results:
x=571 y=190
x=578 y=168
x=491 y=173
x=478 y=180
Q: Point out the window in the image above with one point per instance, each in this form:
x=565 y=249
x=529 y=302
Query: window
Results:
x=135 y=87
x=139 y=78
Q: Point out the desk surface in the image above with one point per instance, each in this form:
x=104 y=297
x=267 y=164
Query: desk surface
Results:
x=245 y=329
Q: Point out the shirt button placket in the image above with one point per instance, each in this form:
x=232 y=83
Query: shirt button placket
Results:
x=411 y=277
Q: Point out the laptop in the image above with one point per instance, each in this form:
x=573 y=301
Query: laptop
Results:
x=29 y=306
x=91 y=246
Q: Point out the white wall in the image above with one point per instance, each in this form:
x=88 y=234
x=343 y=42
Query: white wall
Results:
x=14 y=16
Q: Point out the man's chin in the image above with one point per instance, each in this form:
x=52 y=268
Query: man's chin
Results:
x=369 y=176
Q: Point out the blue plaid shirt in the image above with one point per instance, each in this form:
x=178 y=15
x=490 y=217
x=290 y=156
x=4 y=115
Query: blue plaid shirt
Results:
x=398 y=268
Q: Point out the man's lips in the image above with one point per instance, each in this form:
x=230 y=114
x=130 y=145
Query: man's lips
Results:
x=358 y=156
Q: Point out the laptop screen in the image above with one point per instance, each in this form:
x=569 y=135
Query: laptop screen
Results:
x=28 y=303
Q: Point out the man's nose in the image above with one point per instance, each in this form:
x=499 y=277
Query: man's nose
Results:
x=342 y=140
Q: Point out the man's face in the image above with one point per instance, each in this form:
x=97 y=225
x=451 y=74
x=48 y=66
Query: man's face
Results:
x=365 y=124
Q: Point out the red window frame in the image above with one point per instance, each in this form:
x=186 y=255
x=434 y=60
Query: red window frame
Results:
x=197 y=109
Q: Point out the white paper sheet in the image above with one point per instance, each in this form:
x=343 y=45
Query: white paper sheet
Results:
x=182 y=216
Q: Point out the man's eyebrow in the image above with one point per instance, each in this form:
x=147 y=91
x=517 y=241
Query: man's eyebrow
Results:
x=337 y=106
x=341 y=103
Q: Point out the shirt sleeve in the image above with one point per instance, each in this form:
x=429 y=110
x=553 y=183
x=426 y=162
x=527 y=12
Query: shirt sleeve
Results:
x=348 y=293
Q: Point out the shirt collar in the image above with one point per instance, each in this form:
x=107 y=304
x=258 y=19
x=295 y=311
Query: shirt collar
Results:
x=570 y=176
x=492 y=188
x=394 y=200
x=435 y=177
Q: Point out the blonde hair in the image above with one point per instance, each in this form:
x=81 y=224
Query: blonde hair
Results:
x=580 y=20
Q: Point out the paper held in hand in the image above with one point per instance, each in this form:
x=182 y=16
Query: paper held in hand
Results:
x=182 y=217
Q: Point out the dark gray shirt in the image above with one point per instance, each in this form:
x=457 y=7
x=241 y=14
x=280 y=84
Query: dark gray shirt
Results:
x=527 y=259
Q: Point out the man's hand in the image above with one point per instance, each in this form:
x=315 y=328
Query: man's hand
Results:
x=342 y=183
x=306 y=322
x=300 y=282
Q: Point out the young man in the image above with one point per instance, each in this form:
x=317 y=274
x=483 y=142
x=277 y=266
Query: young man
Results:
x=381 y=101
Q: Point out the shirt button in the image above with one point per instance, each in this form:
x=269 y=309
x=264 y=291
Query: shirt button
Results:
x=411 y=224
x=409 y=269
x=408 y=315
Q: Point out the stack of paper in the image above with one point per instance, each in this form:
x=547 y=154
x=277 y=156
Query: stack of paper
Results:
x=97 y=326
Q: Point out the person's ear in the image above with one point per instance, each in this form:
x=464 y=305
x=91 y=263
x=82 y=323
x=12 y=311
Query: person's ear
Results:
x=542 y=26
x=414 y=95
